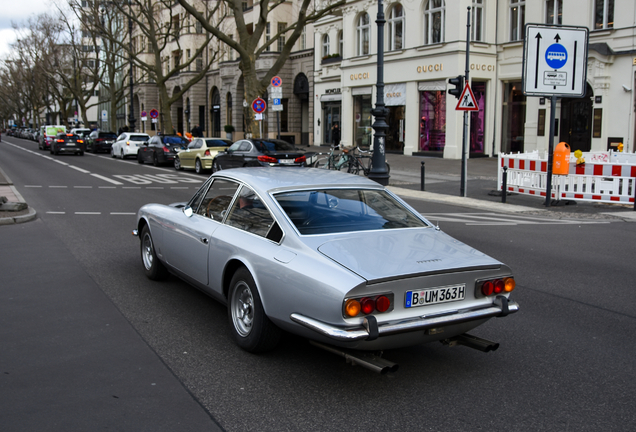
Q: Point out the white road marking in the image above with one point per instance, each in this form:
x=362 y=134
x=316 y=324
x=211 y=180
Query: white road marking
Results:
x=88 y=213
x=83 y=187
x=54 y=212
x=58 y=187
x=123 y=214
x=107 y=179
x=33 y=186
x=79 y=169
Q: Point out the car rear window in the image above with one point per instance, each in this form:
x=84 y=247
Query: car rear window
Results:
x=328 y=211
x=138 y=138
x=216 y=143
x=175 y=140
x=108 y=135
x=266 y=146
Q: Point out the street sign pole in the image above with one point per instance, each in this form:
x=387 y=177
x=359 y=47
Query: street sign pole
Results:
x=462 y=191
x=548 y=194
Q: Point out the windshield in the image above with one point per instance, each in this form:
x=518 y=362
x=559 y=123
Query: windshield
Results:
x=108 y=135
x=266 y=146
x=175 y=140
x=327 y=211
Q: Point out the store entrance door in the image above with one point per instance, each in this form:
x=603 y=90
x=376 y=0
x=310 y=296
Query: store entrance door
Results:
x=576 y=121
x=331 y=116
x=395 y=134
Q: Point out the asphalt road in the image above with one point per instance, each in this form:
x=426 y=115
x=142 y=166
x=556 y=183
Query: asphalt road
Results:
x=566 y=360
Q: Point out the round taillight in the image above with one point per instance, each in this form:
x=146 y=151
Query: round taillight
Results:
x=382 y=303
x=509 y=284
x=487 y=288
x=368 y=305
x=352 y=307
x=499 y=286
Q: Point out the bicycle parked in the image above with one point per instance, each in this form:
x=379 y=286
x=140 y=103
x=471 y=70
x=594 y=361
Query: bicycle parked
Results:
x=362 y=161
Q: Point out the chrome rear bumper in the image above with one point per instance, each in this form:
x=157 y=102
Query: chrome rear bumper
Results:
x=371 y=330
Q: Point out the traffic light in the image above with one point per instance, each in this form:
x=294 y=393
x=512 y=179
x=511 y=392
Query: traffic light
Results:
x=458 y=82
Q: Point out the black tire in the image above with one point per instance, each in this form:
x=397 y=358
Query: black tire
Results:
x=251 y=328
x=323 y=163
x=153 y=268
x=93 y=149
x=155 y=159
x=216 y=166
x=198 y=168
x=177 y=164
x=139 y=159
x=112 y=152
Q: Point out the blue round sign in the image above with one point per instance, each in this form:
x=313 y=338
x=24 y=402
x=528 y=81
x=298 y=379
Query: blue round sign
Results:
x=259 y=105
x=556 y=56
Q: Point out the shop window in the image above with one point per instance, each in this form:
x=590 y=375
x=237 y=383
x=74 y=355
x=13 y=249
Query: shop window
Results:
x=478 y=119
x=603 y=14
x=517 y=19
x=432 y=120
x=477 y=18
x=434 y=22
x=363 y=132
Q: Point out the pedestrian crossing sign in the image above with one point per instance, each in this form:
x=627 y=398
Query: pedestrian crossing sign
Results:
x=467 y=101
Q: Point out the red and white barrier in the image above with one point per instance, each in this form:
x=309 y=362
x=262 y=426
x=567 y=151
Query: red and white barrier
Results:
x=599 y=182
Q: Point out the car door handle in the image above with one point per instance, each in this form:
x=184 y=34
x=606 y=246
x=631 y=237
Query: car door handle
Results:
x=204 y=240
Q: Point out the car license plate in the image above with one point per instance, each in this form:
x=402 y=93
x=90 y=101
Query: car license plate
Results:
x=435 y=295
x=70 y=145
x=286 y=161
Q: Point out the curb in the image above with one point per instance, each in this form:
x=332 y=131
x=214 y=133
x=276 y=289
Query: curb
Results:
x=32 y=214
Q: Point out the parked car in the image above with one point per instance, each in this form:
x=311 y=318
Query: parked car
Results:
x=127 y=144
x=100 y=141
x=49 y=134
x=200 y=154
x=161 y=149
x=67 y=143
x=330 y=256
x=81 y=132
x=260 y=152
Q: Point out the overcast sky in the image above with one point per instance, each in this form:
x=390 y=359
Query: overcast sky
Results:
x=19 y=12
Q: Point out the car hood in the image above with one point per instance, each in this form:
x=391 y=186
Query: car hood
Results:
x=405 y=252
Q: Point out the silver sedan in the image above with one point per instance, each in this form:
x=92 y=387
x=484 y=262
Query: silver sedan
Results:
x=333 y=257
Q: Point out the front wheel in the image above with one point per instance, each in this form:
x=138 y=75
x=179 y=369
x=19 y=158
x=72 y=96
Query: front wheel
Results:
x=323 y=163
x=216 y=166
x=153 y=268
x=112 y=152
x=251 y=328
x=177 y=164
x=139 y=158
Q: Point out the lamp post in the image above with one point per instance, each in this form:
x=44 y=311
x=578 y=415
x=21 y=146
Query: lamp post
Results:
x=131 y=116
x=378 y=163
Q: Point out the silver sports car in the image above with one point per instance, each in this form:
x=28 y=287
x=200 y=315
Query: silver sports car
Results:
x=330 y=256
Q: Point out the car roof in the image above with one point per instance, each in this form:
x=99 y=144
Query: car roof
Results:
x=277 y=179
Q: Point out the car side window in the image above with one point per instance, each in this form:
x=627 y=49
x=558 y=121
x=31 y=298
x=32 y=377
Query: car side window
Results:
x=234 y=147
x=245 y=146
x=218 y=199
x=250 y=214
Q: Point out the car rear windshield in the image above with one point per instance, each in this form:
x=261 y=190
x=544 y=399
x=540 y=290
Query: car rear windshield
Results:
x=175 y=140
x=111 y=135
x=327 y=211
x=266 y=146
x=138 y=138
x=217 y=143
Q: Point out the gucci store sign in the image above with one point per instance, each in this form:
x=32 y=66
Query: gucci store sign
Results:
x=395 y=94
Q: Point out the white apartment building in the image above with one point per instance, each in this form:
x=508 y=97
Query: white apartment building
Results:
x=425 y=45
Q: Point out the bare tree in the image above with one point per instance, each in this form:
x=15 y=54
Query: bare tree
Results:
x=156 y=30
x=251 y=44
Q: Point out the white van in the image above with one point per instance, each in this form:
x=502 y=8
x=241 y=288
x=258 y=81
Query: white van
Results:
x=48 y=133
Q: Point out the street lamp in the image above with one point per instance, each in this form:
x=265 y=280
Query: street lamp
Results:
x=378 y=163
x=131 y=117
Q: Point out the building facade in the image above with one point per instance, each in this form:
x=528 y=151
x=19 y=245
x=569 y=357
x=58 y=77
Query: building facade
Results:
x=425 y=46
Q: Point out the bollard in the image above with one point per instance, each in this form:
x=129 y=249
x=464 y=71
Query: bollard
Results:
x=422 y=177
x=504 y=185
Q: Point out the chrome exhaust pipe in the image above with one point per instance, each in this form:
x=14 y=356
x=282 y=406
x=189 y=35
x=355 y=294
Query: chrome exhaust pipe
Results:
x=471 y=341
x=369 y=361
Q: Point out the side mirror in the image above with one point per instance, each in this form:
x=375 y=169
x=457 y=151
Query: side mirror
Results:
x=187 y=210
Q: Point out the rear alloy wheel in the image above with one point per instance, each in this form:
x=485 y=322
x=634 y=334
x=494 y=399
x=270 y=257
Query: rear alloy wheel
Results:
x=251 y=328
x=177 y=164
x=153 y=268
x=197 y=167
x=122 y=154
